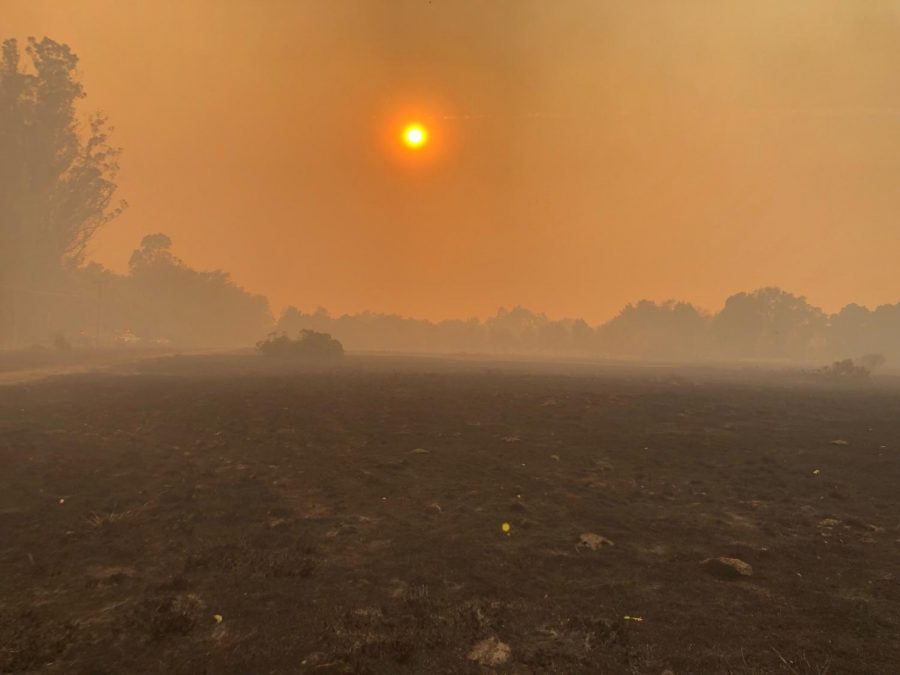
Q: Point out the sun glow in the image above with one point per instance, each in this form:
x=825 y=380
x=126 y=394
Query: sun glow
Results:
x=415 y=136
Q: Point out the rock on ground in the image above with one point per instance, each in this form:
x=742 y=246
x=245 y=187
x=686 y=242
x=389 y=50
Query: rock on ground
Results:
x=490 y=652
x=592 y=542
x=727 y=568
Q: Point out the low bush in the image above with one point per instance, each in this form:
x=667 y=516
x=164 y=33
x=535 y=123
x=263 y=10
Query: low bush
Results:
x=845 y=369
x=307 y=345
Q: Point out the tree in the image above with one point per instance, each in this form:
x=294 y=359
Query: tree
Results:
x=515 y=329
x=583 y=336
x=850 y=331
x=770 y=322
x=57 y=178
x=647 y=329
x=155 y=250
x=188 y=306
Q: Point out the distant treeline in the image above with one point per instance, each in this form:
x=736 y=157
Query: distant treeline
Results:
x=57 y=188
x=161 y=301
x=768 y=323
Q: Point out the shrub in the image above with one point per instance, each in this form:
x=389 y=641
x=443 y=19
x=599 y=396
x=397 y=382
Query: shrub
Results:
x=307 y=345
x=845 y=369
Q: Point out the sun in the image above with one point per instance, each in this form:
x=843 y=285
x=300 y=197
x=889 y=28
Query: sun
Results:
x=415 y=136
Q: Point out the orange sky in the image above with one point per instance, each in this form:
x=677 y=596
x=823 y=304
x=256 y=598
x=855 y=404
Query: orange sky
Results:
x=586 y=153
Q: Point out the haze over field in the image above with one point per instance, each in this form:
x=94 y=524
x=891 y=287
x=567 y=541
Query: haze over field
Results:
x=449 y=336
x=583 y=155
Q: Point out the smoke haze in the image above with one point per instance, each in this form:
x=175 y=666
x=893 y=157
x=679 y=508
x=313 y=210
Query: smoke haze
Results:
x=586 y=154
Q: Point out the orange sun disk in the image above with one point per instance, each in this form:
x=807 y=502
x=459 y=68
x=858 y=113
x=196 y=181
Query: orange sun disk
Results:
x=415 y=136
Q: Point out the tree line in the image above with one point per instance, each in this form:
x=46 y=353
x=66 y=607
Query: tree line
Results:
x=57 y=188
x=768 y=323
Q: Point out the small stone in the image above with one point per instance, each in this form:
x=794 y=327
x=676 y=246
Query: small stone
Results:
x=556 y=457
x=110 y=575
x=727 y=568
x=592 y=542
x=839 y=441
x=490 y=652
x=342 y=530
x=419 y=451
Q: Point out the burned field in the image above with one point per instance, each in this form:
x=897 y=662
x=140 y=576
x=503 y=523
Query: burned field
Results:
x=212 y=515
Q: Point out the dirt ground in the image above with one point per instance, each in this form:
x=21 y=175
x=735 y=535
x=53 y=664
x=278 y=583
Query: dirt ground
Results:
x=26 y=365
x=226 y=515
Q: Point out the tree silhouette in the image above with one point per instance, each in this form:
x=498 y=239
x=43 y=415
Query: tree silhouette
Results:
x=647 y=329
x=57 y=178
x=189 y=306
x=770 y=322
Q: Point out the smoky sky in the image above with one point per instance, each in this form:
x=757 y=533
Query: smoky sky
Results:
x=586 y=153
